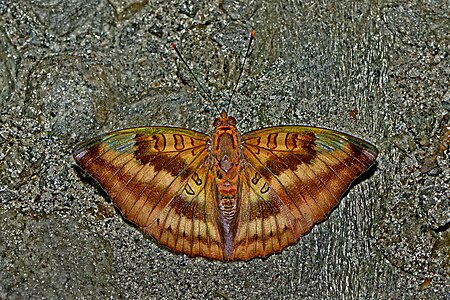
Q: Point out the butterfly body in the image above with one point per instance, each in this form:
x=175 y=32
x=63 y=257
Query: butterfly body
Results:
x=226 y=196
x=226 y=154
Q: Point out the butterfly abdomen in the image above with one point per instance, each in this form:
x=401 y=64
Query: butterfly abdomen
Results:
x=227 y=208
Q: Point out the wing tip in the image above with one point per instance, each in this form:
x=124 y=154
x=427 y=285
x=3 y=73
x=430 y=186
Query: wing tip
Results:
x=78 y=154
x=82 y=148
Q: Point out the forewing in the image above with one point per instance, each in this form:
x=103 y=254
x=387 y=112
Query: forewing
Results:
x=159 y=178
x=294 y=176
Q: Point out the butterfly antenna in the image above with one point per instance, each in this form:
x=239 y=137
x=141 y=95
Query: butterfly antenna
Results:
x=251 y=37
x=208 y=95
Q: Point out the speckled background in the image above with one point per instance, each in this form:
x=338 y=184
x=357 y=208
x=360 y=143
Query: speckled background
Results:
x=71 y=69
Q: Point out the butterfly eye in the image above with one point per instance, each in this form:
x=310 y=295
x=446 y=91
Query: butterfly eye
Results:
x=232 y=120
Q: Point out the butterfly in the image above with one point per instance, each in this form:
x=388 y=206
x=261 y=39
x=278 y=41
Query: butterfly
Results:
x=225 y=196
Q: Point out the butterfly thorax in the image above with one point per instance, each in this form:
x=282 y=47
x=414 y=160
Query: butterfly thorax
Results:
x=226 y=151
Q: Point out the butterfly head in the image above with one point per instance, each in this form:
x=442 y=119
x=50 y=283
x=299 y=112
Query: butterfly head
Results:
x=224 y=120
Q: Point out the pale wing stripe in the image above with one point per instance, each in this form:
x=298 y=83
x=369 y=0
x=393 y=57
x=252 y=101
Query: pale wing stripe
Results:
x=207 y=213
x=298 y=181
x=155 y=180
x=170 y=205
x=182 y=186
x=328 y=154
x=260 y=229
x=324 y=185
x=115 y=174
x=277 y=229
x=149 y=187
x=243 y=224
x=92 y=161
x=310 y=179
x=280 y=204
x=136 y=181
x=280 y=183
x=330 y=158
x=208 y=236
x=247 y=221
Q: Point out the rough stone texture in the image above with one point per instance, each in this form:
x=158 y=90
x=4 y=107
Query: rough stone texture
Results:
x=73 y=69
